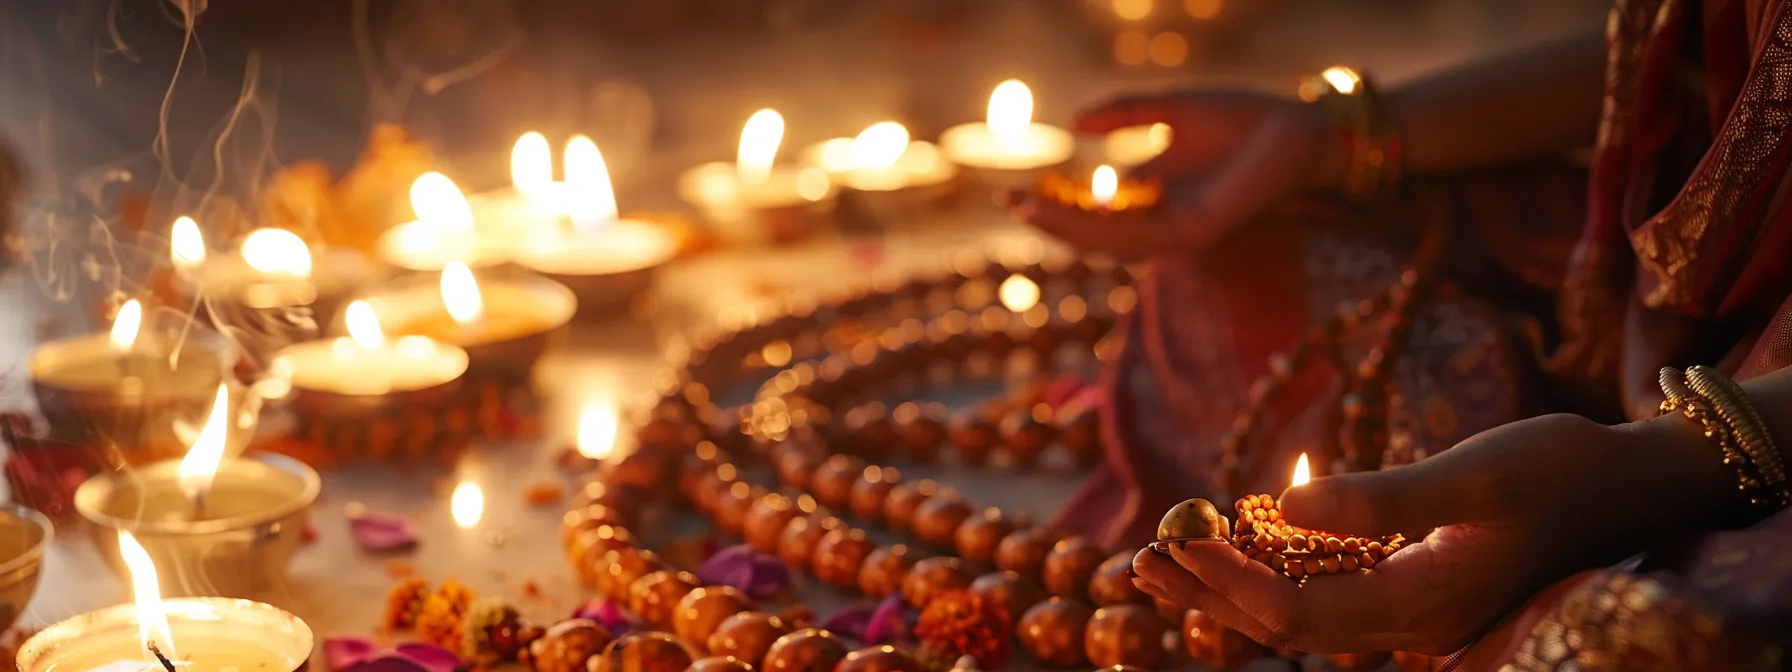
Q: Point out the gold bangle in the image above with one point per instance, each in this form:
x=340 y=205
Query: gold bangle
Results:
x=1732 y=405
x=1373 y=147
x=1751 y=479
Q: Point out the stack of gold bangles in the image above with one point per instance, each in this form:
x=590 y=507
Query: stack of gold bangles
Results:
x=1720 y=406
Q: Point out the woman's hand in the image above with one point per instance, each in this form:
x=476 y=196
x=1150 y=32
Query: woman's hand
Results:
x=1514 y=509
x=1232 y=155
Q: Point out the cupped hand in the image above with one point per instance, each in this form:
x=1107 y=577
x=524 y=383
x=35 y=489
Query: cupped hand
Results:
x=1511 y=510
x=1232 y=155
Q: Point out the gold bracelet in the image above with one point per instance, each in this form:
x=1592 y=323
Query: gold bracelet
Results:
x=1371 y=143
x=1751 y=481
x=1733 y=406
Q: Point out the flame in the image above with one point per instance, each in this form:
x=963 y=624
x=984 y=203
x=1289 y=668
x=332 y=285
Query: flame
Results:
x=364 y=325
x=186 y=248
x=836 y=155
x=152 y=620
x=207 y=452
x=590 y=198
x=126 y=325
x=1132 y=10
x=759 y=141
x=467 y=505
x=437 y=201
x=1018 y=293
x=1104 y=185
x=532 y=165
x=597 y=430
x=1341 y=78
x=1010 y=110
x=277 y=251
x=460 y=293
x=813 y=184
x=1301 y=473
x=1158 y=137
x=880 y=145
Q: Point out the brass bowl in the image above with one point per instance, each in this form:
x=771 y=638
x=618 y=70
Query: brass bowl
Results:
x=24 y=534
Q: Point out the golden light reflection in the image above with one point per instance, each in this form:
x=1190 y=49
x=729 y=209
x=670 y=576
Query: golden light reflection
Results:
x=438 y=202
x=1010 y=111
x=1159 y=137
x=597 y=430
x=201 y=463
x=277 y=251
x=1104 y=184
x=1301 y=472
x=879 y=146
x=363 y=325
x=835 y=155
x=1132 y=47
x=1169 y=49
x=146 y=588
x=1132 y=10
x=759 y=141
x=1018 y=293
x=125 y=326
x=590 y=196
x=460 y=294
x=186 y=246
x=1203 y=9
x=532 y=165
x=1341 y=78
x=467 y=505
x=813 y=184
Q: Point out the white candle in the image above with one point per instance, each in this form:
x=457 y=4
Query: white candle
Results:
x=591 y=239
x=211 y=634
x=882 y=158
x=1008 y=139
x=755 y=179
x=366 y=364
x=444 y=232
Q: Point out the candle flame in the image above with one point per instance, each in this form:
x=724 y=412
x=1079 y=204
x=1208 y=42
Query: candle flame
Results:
x=1301 y=474
x=591 y=198
x=437 y=201
x=1011 y=110
x=186 y=247
x=1343 y=79
x=207 y=452
x=1018 y=293
x=759 y=141
x=364 y=325
x=1159 y=137
x=277 y=251
x=126 y=325
x=532 y=165
x=467 y=505
x=152 y=621
x=880 y=145
x=597 y=430
x=460 y=293
x=813 y=184
x=1104 y=185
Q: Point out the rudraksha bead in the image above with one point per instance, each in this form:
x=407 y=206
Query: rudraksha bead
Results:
x=973 y=436
x=1025 y=435
x=747 y=636
x=1069 y=566
x=922 y=428
x=883 y=570
x=871 y=490
x=645 y=469
x=794 y=464
x=654 y=597
x=839 y=556
x=904 y=499
x=796 y=546
x=1080 y=433
x=766 y=521
x=622 y=567
x=585 y=518
x=806 y=650
x=832 y=481
x=641 y=652
x=1052 y=631
x=937 y=519
x=566 y=646
x=1012 y=592
x=931 y=577
x=1024 y=551
x=719 y=664
x=978 y=535
x=591 y=545
x=870 y=426
x=732 y=508
x=1213 y=645
x=1126 y=634
x=1112 y=583
x=701 y=610
x=878 y=659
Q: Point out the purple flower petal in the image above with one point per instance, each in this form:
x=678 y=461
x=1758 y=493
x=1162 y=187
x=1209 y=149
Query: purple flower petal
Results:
x=384 y=531
x=343 y=652
x=851 y=621
x=387 y=662
x=759 y=575
x=431 y=657
x=888 y=624
x=604 y=613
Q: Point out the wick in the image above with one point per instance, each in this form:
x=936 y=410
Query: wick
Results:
x=198 y=506
x=156 y=651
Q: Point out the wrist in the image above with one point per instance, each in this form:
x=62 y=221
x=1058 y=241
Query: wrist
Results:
x=1331 y=164
x=1685 y=469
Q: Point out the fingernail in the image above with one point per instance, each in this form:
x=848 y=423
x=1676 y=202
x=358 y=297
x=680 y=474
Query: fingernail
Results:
x=1161 y=548
x=1131 y=574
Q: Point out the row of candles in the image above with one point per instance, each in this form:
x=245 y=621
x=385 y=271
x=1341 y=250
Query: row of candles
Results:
x=236 y=520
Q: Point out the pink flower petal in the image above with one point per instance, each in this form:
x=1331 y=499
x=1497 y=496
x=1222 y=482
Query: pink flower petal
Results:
x=343 y=652
x=758 y=575
x=376 y=531
x=431 y=657
x=387 y=662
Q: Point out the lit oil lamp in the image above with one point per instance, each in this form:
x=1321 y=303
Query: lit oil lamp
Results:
x=595 y=442
x=1104 y=192
x=364 y=374
x=272 y=269
x=884 y=173
x=205 y=634
x=215 y=525
x=1265 y=537
x=444 y=232
x=755 y=200
x=503 y=321
x=127 y=383
x=1134 y=145
x=1008 y=149
x=606 y=260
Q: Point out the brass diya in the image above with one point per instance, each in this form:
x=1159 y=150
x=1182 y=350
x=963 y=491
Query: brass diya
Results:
x=24 y=534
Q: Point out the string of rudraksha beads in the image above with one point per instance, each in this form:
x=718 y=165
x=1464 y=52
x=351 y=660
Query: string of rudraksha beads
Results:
x=1262 y=534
